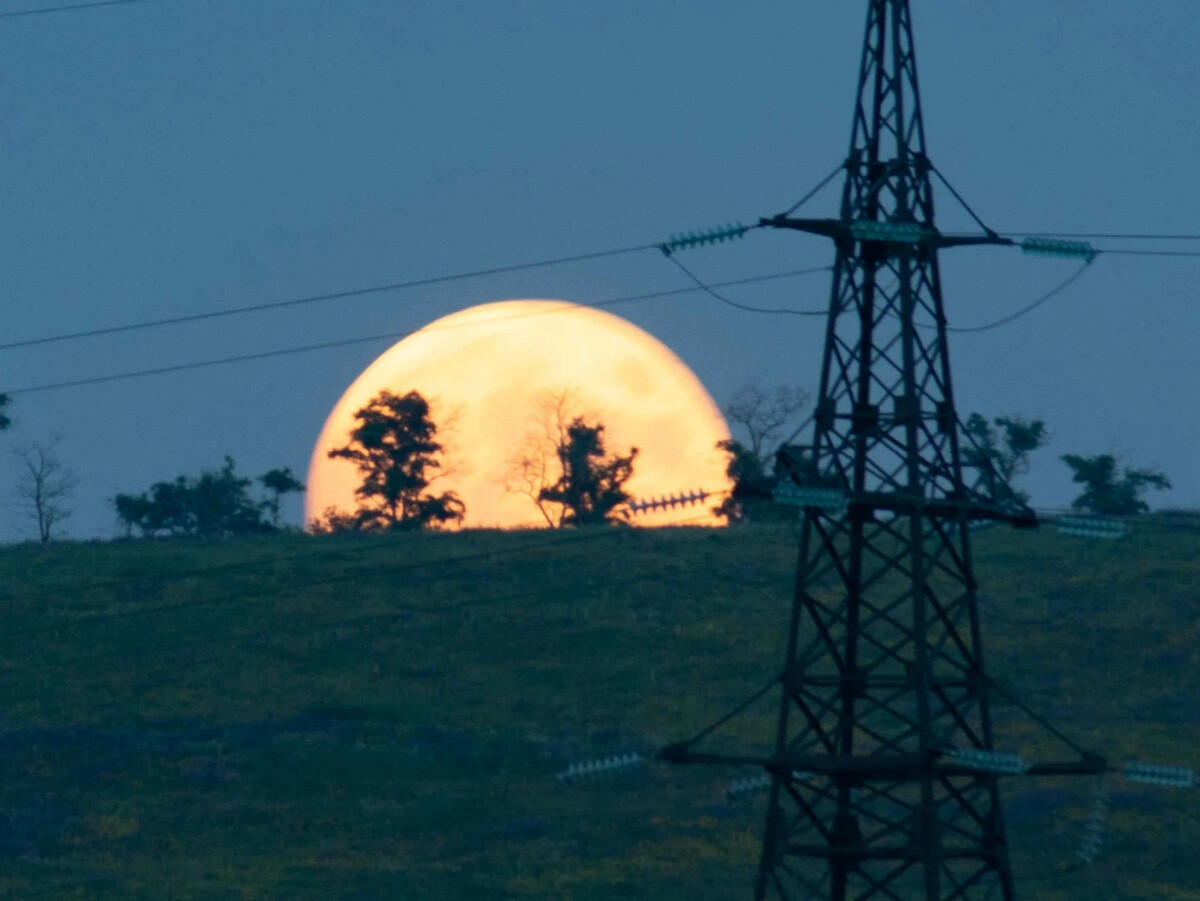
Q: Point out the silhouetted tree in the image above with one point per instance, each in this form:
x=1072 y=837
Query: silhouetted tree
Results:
x=5 y=422
x=753 y=487
x=222 y=505
x=132 y=510
x=1005 y=445
x=1106 y=494
x=395 y=448
x=745 y=470
x=536 y=464
x=591 y=485
x=215 y=503
x=44 y=485
x=279 y=482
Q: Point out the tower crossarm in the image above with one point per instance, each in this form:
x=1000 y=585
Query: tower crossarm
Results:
x=865 y=503
x=859 y=768
x=842 y=230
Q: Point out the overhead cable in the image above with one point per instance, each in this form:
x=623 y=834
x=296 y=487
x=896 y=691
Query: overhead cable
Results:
x=319 y=298
x=390 y=336
x=1129 y=252
x=73 y=7
x=1113 y=236
x=708 y=289
x=1053 y=292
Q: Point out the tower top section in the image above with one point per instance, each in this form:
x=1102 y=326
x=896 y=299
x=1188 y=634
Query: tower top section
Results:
x=887 y=167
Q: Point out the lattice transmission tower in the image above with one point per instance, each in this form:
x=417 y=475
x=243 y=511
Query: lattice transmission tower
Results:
x=883 y=779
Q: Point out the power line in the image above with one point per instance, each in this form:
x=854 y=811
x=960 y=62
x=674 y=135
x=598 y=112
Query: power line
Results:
x=64 y=9
x=390 y=336
x=1122 y=251
x=1053 y=292
x=1148 y=253
x=393 y=336
x=1113 y=236
x=434 y=280
x=202 y=364
x=708 y=289
x=319 y=298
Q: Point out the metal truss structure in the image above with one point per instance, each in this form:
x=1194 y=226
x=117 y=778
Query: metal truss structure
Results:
x=883 y=779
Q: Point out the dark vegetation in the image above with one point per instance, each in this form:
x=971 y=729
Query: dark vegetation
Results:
x=761 y=416
x=395 y=448
x=590 y=489
x=380 y=716
x=1000 y=449
x=1106 y=493
x=213 y=504
x=282 y=716
x=1004 y=445
x=561 y=464
x=563 y=468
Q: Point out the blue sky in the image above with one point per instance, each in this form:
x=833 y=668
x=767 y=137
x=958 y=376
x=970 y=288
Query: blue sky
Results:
x=175 y=156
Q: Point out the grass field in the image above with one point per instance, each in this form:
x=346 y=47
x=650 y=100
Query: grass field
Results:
x=381 y=718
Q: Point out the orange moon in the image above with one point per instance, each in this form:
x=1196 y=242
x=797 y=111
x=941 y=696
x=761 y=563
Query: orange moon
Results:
x=488 y=371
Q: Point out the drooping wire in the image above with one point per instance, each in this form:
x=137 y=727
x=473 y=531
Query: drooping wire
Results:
x=320 y=298
x=73 y=7
x=708 y=289
x=1029 y=308
x=390 y=336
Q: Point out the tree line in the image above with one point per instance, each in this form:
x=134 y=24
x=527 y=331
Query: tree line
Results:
x=216 y=503
x=396 y=450
x=1001 y=446
x=562 y=466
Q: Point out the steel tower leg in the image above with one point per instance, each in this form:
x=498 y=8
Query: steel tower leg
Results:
x=884 y=659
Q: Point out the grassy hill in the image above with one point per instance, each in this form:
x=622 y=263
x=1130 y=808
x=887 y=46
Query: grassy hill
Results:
x=367 y=718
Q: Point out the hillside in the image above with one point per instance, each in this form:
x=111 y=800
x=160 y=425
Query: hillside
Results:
x=360 y=718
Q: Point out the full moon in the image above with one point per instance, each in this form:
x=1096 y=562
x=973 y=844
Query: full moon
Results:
x=499 y=377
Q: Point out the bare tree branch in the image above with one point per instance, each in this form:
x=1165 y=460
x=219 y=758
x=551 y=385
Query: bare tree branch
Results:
x=764 y=414
x=44 y=485
x=535 y=465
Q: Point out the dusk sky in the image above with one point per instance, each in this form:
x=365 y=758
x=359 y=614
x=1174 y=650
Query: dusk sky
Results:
x=172 y=157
